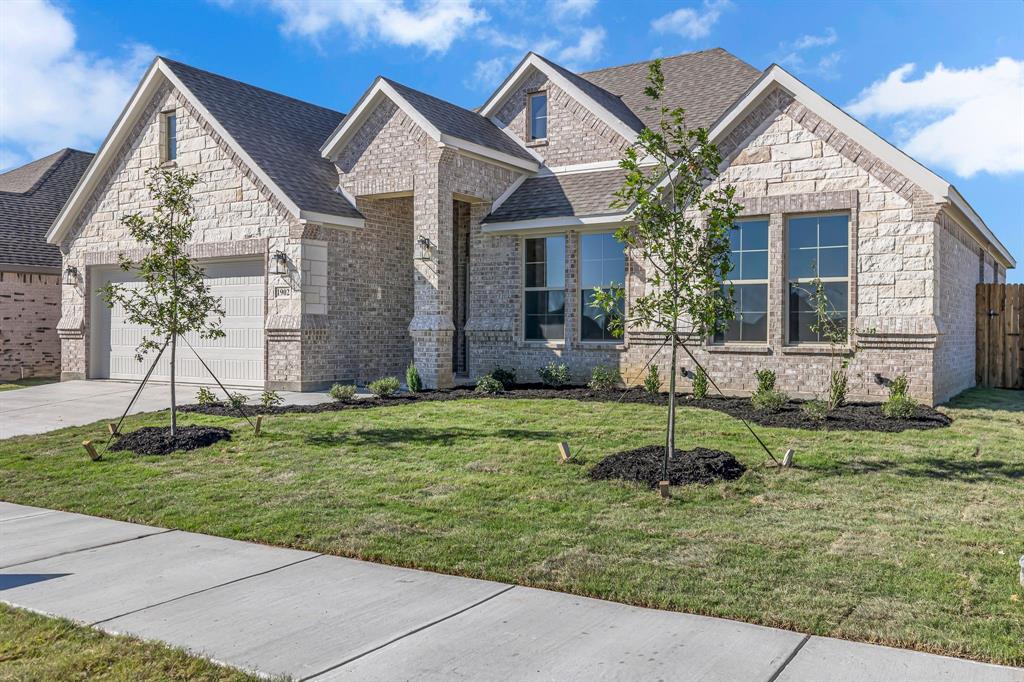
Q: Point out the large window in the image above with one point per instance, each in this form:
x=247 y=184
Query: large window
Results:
x=538 y=116
x=544 y=290
x=170 y=141
x=602 y=264
x=818 y=248
x=748 y=254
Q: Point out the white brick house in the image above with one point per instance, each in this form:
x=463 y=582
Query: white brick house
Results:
x=412 y=229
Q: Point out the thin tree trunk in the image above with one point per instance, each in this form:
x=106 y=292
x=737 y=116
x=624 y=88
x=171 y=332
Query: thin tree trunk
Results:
x=670 y=444
x=174 y=406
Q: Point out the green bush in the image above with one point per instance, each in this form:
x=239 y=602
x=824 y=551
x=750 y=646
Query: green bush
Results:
x=238 y=400
x=270 y=399
x=604 y=378
x=489 y=385
x=765 y=379
x=412 y=378
x=899 y=405
x=555 y=374
x=206 y=397
x=815 y=409
x=838 y=386
x=342 y=392
x=507 y=377
x=766 y=398
x=382 y=388
x=700 y=384
x=652 y=382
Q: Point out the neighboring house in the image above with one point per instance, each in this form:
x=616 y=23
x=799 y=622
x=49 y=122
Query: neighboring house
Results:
x=413 y=229
x=30 y=269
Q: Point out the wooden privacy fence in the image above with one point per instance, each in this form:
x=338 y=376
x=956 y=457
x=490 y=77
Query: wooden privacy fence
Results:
x=999 y=311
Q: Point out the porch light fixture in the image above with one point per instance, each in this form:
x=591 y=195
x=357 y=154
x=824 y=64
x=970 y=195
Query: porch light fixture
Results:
x=71 y=275
x=423 y=248
x=280 y=263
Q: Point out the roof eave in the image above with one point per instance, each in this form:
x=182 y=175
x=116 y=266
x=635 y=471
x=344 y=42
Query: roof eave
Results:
x=594 y=222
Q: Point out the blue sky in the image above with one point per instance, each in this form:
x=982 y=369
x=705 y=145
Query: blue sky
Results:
x=66 y=68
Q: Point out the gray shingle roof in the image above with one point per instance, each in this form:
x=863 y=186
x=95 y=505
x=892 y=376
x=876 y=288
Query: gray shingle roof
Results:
x=456 y=121
x=30 y=199
x=554 y=196
x=704 y=83
x=282 y=135
x=613 y=103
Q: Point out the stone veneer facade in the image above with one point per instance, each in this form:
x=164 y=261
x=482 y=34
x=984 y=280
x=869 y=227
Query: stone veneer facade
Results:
x=358 y=304
x=29 y=310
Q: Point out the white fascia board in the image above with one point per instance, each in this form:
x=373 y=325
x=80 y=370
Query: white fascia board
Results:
x=329 y=220
x=490 y=108
x=563 y=222
x=488 y=154
x=508 y=192
x=149 y=84
x=913 y=170
x=515 y=138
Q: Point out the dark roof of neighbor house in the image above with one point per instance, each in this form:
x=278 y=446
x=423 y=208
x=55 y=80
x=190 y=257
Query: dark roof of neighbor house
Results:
x=456 y=121
x=570 y=194
x=31 y=196
x=282 y=135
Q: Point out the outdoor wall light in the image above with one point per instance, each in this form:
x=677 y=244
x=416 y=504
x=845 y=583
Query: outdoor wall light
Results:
x=423 y=248
x=71 y=275
x=280 y=263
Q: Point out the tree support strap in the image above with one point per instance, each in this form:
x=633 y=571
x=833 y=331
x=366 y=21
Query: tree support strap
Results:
x=117 y=429
x=207 y=367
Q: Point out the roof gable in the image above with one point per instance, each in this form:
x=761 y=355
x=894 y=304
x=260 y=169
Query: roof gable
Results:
x=443 y=121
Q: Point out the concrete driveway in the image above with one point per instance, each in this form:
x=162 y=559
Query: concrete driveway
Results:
x=281 y=611
x=38 y=409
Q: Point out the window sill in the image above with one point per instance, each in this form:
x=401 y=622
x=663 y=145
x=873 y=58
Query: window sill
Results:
x=537 y=143
x=600 y=345
x=173 y=163
x=552 y=345
x=816 y=349
x=749 y=348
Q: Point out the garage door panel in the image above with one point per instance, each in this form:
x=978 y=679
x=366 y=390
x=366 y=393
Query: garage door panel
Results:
x=237 y=358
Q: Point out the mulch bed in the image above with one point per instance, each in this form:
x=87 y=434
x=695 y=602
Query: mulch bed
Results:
x=851 y=417
x=156 y=440
x=644 y=465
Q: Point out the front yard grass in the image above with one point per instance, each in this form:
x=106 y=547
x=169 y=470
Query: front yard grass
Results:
x=908 y=539
x=15 y=384
x=34 y=647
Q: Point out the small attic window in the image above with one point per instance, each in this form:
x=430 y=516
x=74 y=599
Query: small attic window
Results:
x=538 y=106
x=169 y=141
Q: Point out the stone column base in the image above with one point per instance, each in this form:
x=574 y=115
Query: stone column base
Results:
x=432 y=354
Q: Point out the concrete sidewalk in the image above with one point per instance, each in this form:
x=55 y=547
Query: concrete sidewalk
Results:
x=311 y=616
x=38 y=409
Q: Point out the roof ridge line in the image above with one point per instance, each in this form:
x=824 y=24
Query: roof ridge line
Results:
x=64 y=154
x=648 y=61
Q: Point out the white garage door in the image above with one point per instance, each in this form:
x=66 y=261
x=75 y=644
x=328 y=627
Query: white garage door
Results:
x=236 y=359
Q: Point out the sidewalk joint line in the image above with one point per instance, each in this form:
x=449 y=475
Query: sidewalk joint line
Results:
x=789 y=659
x=86 y=549
x=407 y=634
x=27 y=516
x=205 y=589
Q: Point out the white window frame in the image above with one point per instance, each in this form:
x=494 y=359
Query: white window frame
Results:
x=806 y=280
x=524 y=289
x=766 y=281
x=529 y=115
x=580 y=289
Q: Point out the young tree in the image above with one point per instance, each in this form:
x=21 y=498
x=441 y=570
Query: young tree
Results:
x=173 y=298
x=679 y=230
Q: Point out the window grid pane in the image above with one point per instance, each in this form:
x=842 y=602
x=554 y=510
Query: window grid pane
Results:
x=749 y=279
x=602 y=264
x=818 y=247
x=538 y=116
x=544 y=290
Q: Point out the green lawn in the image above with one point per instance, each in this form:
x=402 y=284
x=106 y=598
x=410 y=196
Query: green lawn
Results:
x=907 y=539
x=34 y=647
x=22 y=383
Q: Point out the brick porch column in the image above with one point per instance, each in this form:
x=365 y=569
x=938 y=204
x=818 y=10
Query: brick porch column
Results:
x=432 y=328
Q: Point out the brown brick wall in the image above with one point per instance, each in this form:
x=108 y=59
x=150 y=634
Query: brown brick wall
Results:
x=29 y=310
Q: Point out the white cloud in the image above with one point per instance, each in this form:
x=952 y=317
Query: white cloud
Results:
x=432 y=24
x=795 y=57
x=586 y=49
x=968 y=120
x=570 y=9
x=689 y=22
x=808 y=41
x=53 y=95
x=488 y=73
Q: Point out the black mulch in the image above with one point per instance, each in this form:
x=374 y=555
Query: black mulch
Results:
x=851 y=417
x=699 y=465
x=156 y=440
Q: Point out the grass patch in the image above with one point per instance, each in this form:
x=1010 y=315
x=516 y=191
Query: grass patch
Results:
x=22 y=383
x=34 y=647
x=909 y=539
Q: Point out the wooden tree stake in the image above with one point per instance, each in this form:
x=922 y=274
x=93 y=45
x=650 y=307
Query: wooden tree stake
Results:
x=91 y=449
x=259 y=423
x=563 y=450
x=112 y=427
x=787 y=459
x=663 y=489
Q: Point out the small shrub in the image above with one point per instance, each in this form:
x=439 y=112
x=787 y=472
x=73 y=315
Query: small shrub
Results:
x=604 y=378
x=765 y=379
x=342 y=392
x=412 y=378
x=652 y=382
x=555 y=374
x=700 y=384
x=899 y=405
x=382 y=388
x=238 y=400
x=838 y=386
x=507 y=377
x=489 y=385
x=766 y=398
x=815 y=409
x=270 y=399
x=206 y=397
